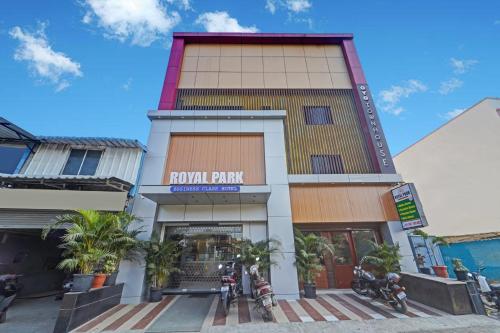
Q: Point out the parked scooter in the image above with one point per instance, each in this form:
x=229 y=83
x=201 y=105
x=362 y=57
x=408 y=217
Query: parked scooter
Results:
x=490 y=293
x=263 y=294
x=9 y=287
x=387 y=289
x=231 y=283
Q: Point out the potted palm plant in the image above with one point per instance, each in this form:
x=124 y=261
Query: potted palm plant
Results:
x=385 y=258
x=308 y=251
x=84 y=245
x=161 y=258
x=439 y=270
x=460 y=270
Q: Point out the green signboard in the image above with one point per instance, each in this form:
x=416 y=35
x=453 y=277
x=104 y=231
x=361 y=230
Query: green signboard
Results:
x=409 y=207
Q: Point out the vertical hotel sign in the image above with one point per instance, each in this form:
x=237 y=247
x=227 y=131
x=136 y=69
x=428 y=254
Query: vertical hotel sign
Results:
x=409 y=207
x=375 y=130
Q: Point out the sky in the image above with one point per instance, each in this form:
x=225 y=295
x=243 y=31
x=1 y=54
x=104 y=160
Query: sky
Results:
x=95 y=67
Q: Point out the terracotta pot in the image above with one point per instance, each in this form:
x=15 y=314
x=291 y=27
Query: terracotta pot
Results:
x=98 y=281
x=441 y=271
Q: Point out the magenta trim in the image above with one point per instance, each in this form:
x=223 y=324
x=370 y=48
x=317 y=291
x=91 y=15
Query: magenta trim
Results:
x=169 y=91
x=358 y=78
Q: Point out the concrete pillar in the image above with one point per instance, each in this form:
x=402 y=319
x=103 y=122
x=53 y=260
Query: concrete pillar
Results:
x=393 y=233
x=279 y=213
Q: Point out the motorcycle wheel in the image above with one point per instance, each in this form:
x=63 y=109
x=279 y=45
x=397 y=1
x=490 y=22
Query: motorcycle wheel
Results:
x=356 y=287
x=226 y=303
x=267 y=315
x=400 y=305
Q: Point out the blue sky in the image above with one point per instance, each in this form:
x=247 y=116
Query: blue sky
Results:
x=94 y=67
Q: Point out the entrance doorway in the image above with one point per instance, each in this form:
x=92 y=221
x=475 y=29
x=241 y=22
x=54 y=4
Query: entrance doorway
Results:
x=204 y=247
x=350 y=247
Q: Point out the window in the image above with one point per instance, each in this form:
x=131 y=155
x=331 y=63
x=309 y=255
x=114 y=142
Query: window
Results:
x=82 y=162
x=327 y=164
x=10 y=157
x=318 y=115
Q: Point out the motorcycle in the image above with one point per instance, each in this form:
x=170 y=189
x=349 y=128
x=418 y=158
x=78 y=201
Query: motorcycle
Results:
x=231 y=283
x=263 y=294
x=387 y=289
x=9 y=287
x=490 y=293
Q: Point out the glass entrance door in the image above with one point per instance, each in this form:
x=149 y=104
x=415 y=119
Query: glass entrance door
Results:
x=203 y=249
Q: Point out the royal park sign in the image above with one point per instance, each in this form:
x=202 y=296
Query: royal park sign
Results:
x=205 y=177
x=409 y=207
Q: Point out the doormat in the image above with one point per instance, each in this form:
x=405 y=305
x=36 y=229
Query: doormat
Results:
x=185 y=315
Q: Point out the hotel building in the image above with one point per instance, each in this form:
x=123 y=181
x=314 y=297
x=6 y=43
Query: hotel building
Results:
x=258 y=134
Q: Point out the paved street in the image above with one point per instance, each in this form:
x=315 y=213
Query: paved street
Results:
x=345 y=311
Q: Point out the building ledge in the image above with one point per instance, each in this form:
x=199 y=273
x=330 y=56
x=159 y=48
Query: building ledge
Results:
x=247 y=194
x=345 y=179
x=216 y=114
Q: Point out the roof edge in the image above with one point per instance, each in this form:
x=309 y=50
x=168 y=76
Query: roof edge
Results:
x=446 y=123
x=264 y=38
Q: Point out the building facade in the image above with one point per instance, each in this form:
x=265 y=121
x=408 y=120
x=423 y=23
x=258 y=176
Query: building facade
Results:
x=258 y=134
x=459 y=184
x=44 y=177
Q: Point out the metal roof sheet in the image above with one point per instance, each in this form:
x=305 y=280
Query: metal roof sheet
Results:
x=11 y=132
x=93 y=141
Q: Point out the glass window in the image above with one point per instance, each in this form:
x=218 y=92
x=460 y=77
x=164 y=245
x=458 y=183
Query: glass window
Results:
x=327 y=164
x=343 y=254
x=363 y=242
x=10 y=157
x=82 y=162
x=318 y=115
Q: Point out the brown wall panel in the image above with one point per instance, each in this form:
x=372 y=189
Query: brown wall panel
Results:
x=341 y=203
x=218 y=153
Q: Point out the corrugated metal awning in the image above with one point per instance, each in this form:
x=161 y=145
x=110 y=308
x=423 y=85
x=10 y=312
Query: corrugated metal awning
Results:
x=92 y=141
x=12 y=133
x=65 y=182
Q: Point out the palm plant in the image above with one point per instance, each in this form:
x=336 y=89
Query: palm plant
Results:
x=161 y=258
x=385 y=258
x=308 y=251
x=94 y=239
x=261 y=251
x=436 y=241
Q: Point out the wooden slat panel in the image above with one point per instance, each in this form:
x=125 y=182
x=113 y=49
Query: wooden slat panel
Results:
x=344 y=137
x=340 y=203
x=218 y=153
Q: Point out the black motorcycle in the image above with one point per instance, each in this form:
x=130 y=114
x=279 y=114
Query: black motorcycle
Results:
x=9 y=287
x=387 y=289
x=231 y=286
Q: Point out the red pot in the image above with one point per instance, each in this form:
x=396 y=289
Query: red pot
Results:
x=441 y=271
x=98 y=280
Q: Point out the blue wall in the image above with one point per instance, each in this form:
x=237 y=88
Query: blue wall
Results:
x=484 y=253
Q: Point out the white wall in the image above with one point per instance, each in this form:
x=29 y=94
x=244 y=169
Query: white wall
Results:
x=456 y=171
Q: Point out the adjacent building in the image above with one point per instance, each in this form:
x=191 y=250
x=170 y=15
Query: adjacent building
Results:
x=43 y=177
x=455 y=169
x=258 y=134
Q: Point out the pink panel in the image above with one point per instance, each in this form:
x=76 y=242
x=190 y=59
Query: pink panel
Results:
x=169 y=91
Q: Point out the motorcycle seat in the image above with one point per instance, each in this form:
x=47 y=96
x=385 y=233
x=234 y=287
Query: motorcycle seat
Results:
x=495 y=286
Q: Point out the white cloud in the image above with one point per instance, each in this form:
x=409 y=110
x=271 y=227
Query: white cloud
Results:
x=449 y=86
x=222 y=22
x=461 y=66
x=295 y=6
x=271 y=6
x=389 y=99
x=127 y=85
x=45 y=63
x=143 y=22
x=451 y=114
x=183 y=4
x=298 y=6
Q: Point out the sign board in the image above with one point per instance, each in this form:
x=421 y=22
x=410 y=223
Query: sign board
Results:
x=204 y=188
x=204 y=177
x=375 y=130
x=409 y=207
